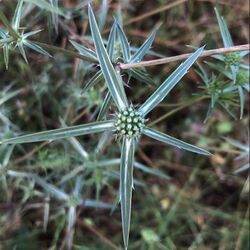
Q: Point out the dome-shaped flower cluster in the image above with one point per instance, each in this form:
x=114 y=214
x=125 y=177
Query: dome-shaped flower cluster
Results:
x=129 y=123
x=232 y=59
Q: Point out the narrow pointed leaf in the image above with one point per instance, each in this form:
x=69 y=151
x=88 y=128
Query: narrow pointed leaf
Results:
x=113 y=81
x=126 y=185
x=141 y=76
x=61 y=133
x=140 y=53
x=22 y=51
x=95 y=204
x=124 y=42
x=226 y=37
x=8 y=25
x=243 y=168
x=36 y=48
x=93 y=81
x=111 y=42
x=151 y=171
x=236 y=144
x=169 y=83
x=46 y=186
x=242 y=101
x=103 y=14
x=173 y=141
x=31 y=33
x=17 y=16
x=105 y=106
x=84 y=51
x=6 y=55
x=54 y=5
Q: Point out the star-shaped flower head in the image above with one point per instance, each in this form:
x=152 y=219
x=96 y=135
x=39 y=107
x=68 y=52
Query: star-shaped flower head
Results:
x=129 y=123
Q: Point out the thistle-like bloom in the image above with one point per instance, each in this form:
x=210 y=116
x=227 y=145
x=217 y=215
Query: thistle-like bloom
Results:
x=129 y=123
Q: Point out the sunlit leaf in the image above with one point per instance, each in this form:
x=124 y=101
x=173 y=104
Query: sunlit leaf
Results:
x=36 y=48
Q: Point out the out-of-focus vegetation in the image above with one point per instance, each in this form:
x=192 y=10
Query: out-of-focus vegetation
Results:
x=64 y=194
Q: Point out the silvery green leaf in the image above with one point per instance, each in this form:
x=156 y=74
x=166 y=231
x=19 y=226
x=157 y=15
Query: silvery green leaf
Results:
x=226 y=37
x=220 y=69
x=141 y=76
x=76 y=144
x=31 y=33
x=169 y=83
x=227 y=110
x=244 y=53
x=22 y=51
x=113 y=82
x=55 y=134
x=84 y=50
x=237 y=144
x=105 y=106
x=8 y=96
x=6 y=55
x=219 y=57
x=246 y=87
x=103 y=14
x=145 y=47
x=95 y=204
x=242 y=101
x=17 y=15
x=54 y=5
x=126 y=185
x=243 y=168
x=124 y=42
x=43 y=4
x=36 y=48
x=71 y=218
x=173 y=141
x=93 y=81
x=51 y=189
x=111 y=42
x=151 y=171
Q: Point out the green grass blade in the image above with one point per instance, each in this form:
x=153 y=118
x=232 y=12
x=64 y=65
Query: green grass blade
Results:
x=114 y=83
x=83 y=50
x=173 y=141
x=95 y=204
x=225 y=34
x=61 y=133
x=140 y=53
x=126 y=185
x=242 y=168
x=124 y=42
x=169 y=83
x=105 y=106
x=111 y=41
x=36 y=48
x=17 y=15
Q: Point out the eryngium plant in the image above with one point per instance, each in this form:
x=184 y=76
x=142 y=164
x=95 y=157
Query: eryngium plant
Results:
x=129 y=123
